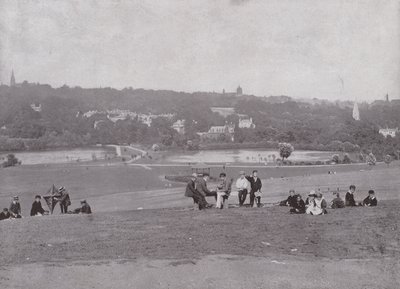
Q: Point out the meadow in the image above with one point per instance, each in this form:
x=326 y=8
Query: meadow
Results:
x=145 y=234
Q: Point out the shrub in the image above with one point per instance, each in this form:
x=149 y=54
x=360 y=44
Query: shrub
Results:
x=346 y=159
x=285 y=150
x=335 y=158
x=11 y=161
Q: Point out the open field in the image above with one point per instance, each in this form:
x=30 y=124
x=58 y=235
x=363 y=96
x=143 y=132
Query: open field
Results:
x=171 y=246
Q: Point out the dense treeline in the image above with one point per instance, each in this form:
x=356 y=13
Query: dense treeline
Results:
x=322 y=126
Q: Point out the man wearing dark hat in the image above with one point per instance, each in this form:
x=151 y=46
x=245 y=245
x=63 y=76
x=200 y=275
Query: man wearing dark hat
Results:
x=201 y=187
x=371 y=200
x=15 y=208
x=37 y=209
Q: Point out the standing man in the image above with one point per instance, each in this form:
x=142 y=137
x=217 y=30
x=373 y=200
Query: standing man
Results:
x=256 y=185
x=242 y=184
x=349 y=199
x=15 y=208
x=191 y=192
x=64 y=199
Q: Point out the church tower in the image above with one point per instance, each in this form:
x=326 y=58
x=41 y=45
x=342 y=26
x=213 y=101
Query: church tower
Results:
x=239 y=91
x=356 y=112
x=12 y=80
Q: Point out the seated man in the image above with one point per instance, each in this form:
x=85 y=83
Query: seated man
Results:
x=191 y=192
x=84 y=209
x=291 y=199
x=15 y=208
x=337 y=202
x=349 y=199
x=5 y=214
x=242 y=185
x=37 y=209
x=371 y=200
x=201 y=187
x=298 y=207
x=223 y=191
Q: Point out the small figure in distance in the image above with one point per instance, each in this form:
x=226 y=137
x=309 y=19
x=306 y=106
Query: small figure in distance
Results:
x=15 y=208
x=291 y=199
x=298 y=206
x=349 y=199
x=37 y=209
x=337 y=203
x=371 y=200
x=5 y=214
x=84 y=209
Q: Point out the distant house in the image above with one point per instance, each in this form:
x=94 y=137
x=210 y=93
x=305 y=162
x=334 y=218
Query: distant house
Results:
x=218 y=132
x=239 y=91
x=179 y=126
x=246 y=123
x=388 y=132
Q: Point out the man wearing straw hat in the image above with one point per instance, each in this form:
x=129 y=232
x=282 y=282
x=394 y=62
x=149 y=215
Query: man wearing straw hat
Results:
x=242 y=185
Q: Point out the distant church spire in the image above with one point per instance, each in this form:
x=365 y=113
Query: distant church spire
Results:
x=356 y=112
x=12 y=80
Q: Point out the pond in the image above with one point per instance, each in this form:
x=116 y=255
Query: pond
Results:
x=61 y=156
x=245 y=156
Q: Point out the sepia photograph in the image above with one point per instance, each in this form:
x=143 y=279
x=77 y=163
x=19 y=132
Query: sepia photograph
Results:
x=213 y=144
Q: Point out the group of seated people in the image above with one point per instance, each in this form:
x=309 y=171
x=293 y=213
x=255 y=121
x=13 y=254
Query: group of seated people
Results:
x=245 y=184
x=61 y=196
x=315 y=203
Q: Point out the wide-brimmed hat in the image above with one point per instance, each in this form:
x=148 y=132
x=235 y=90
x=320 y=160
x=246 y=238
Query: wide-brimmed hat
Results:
x=312 y=193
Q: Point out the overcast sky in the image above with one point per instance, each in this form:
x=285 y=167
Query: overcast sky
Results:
x=346 y=49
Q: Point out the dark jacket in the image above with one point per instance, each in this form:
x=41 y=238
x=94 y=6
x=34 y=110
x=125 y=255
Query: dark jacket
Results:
x=86 y=209
x=349 y=201
x=15 y=208
x=201 y=187
x=190 y=189
x=255 y=184
x=337 y=203
x=4 y=216
x=299 y=206
x=37 y=208
x=290 y=201
x=370 y=202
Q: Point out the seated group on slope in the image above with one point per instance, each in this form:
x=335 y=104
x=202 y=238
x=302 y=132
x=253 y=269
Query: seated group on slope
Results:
x=245 y=184
x=61 y=196
x=315 y=203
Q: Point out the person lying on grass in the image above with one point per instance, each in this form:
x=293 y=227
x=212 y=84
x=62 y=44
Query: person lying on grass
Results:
x=291 y=199
x=371 y=200
x=298 y=206
x=317 y=204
